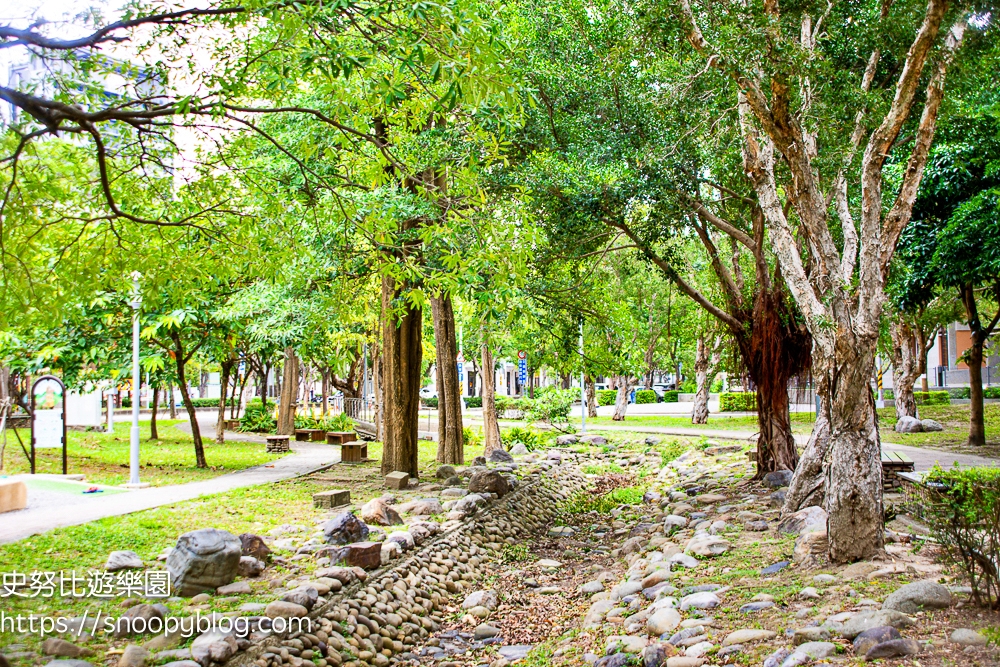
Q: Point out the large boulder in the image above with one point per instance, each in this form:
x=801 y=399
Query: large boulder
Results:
x=930 y=425
x=864 y=641
x=445 y=472
x=911 y=598
x=378 y=512
x=345 y=528
x=807 y=518
x=213 y=646
x=707 y=546
x=778 y=478
x=909 y=425
x=203 y=560
x=867 y=620
x=123 y=560
x=489 y=481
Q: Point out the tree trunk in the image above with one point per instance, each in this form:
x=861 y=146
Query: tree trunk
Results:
x=401 y=355
x=591 y=396
x=625 y=384
x=199 y=448
x=171 y=401
x=450 y=437
x=378 y=383
x=491 y=427
x=325 y=405
x=289 y=392
x=904 y=342
x=704 y=363
x=153 y=434
x=220 y=422
x=977 y=422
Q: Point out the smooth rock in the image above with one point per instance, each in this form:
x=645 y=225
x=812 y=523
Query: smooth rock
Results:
x=283 y=609
x=485 y=631
x=908 y=425
x=893 y=649
x=703 y=600
x=500 y=456
x=250 y=567
x=775 y=568
x=911 y=598
x=123 y=560
x=869 y=638
x=235 y=588
x=807 y=518
x=344 y=529
x=133 y=656
x=748 y=635
x=377 y=511
x=662 y=621
x=203 y=560
x=966 y=637
x=866 y=620
x=484 y=598
x=489 y=481
x=817 y=650
x=64 y=649
x=778 y=478
x=707 y=546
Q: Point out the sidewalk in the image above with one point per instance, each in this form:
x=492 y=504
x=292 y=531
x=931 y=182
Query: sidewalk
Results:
x=48 y=510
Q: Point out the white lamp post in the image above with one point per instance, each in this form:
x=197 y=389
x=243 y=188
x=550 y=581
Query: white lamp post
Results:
x=136 y=303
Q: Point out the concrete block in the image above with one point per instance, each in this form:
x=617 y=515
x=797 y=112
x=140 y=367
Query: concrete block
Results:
x=332 y=498
x=13 y=495
x=397 y=480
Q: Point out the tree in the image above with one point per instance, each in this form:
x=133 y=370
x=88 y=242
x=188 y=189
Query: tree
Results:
x=706 y=361
x=451 y=442
x=801 y=156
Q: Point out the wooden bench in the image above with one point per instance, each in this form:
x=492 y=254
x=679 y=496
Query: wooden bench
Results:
x=232 y=424
x=340 y=437
x=353 y=452
x=302 y=435
x=894 y=463
x=317 y=434
x=277 y=444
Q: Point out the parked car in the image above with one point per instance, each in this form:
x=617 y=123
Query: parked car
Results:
x=661 y=390
x=430 y=391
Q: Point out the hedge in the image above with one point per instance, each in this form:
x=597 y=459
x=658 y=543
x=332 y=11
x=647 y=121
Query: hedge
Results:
x=606 y=396
x=431 y=402
x=197 y=402
x=958 y=392
x=671 y=396
x=962 y=507
x=991 y=392
x=474 y=401
x=888 y=394
x=738 y=401
x=931 y=397
x=644 y=396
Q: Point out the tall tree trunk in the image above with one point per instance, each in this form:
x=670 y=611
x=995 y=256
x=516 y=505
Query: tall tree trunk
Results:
x=625 y=384
x=704 y=370
x=401 y=355
x=289 y=392
x=220 y=422
x=904 y=343
x=171 y=401
x=153 y=433
x=378 y=383
x=591 y=396
x=450 y=437
x=181 y=361
x=977 y=421
x=491 y=427
x=326 y=393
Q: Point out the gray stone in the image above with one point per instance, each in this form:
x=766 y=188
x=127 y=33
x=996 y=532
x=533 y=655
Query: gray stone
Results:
x=70 y=662
x=707 y=546
x=567 y=439
x=673 y=523
x=756 y=526
x=235 y=588
x=654 y=655
x=869 y=638
x=515 y=652
x=748 y=635
x=930 y=425
x=489 y=481
x=911 y=598
x=966 y=637
x=662 y=621
x=893 y=649
x=817 y=650
x=500 y=456
x=445 y=472
x=425 y=507
x=806 y=519
x=775 y=568
x=866 y=620
x=284 y=609
x=595 y=440
x=181 y=663
x=64 y=649
x=751 y=607
x=778 y=478
x=597 y=612
x=250 y=567
x=625 y=588
x=683 y=560
x=485 y=598
x=133 y=656
x=203 y=560
x=485 y=631
x=123 y=560
x=908 y=425
x=518 y=449
x=345 y=528
x=776 y=658
x=703 y=600
x=304 y=595
x=811 y=634
x=213 y=646
x=136 y=620
x=592 y=587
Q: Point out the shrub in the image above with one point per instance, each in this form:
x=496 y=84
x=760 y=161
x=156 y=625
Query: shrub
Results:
x=716 y=387
x=606 y=396
x=257 y=417
x=512 y=408
x=474 y=401
x=888 y=395
x=431 y=402
x=671 y=396
x=341 y=422
x=738 y=401
x=527 y=436
x=551 y=406
x=472 y=438
x=931 y=397
x=958 y=392
x=644 y=396
x=991 y=392
x=963 y=510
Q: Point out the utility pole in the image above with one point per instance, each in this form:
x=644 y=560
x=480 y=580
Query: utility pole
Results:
x=583 y=385
x=136 y=303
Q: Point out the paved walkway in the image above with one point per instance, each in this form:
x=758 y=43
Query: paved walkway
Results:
x=54 y=509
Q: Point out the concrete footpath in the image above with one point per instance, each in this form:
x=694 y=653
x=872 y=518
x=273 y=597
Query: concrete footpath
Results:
x=53 y=509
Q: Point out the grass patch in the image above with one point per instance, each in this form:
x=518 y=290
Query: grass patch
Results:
x=104 y=458
x=586 y=502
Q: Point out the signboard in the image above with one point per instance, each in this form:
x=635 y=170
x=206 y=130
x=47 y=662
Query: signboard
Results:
x=48 y=416
x=521 y=354
x=522 y=369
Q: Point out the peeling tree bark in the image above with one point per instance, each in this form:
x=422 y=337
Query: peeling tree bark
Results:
x=491 y=427
x=289 y=392
x=704 y=371
x=591 y=396
x=625 y=384
x=905 y=367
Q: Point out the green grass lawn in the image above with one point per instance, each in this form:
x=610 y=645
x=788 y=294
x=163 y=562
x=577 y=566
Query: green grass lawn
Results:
x=104 y=458
x=801 y=422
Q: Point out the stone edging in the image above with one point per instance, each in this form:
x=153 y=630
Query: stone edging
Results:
x=420 y=585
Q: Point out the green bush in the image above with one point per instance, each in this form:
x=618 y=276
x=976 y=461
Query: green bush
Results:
x=958 y=392
x=716 y=387
x=524 y=435
x=645 y=396
x=689 y=386
x=962 y=507
x=340 y=423
x=474 y=401
x=991 y=392
x=257 y=418
x=551 y=406
x=606 y=396
x=888 y=395
x=431 y=402
x=671 y=396
x=738 y=401
x=931 y=397
x=472 y=437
